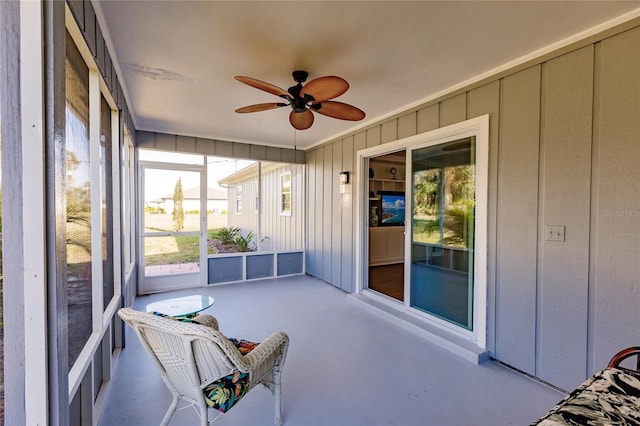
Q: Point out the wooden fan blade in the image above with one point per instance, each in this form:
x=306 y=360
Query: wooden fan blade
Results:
x=339 y=110
x=267 y=87
x=325 y=88
x=301 y=120
x=261 y=107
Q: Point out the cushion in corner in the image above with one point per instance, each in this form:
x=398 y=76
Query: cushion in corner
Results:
x=226 y=392
x=183 y=318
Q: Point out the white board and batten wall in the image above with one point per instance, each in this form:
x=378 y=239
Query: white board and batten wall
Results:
x=564 y=150
x=278 y=230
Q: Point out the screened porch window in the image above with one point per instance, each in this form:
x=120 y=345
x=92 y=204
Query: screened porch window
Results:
x=239 y=199
x=285 y=194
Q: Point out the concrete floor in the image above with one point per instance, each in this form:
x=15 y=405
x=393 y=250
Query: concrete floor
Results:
x=346 y=366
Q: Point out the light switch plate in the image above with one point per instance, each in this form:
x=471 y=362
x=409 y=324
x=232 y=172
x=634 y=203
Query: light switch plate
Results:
x=554 y=233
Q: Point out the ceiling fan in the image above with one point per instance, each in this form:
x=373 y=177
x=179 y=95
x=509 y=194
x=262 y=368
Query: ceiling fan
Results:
x=313 y=96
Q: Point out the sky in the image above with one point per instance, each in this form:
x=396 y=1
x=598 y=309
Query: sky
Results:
x=160 y=182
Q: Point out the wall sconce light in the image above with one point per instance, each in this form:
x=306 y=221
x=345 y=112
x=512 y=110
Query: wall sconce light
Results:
x=344 y=180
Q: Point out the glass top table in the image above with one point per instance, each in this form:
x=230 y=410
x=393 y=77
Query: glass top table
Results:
x=179 y=306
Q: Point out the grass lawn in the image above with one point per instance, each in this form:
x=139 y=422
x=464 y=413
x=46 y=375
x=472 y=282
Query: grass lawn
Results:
x=175 y=250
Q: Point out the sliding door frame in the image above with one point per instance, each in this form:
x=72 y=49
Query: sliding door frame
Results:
x=479 y=128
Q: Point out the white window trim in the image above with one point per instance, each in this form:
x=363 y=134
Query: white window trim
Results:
x=238 y=204
x=284 y=212
x=101 y=316
x=33 y=211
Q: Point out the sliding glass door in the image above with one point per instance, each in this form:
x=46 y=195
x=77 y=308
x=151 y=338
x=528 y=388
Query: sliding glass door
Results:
x=443 y=186
x=443 y=182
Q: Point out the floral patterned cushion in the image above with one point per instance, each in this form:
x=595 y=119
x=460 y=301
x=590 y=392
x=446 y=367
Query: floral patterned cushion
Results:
x=611 y=397
x=226 y=392
x=183 y=318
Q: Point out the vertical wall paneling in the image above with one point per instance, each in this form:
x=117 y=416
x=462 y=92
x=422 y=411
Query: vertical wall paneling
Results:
x=221 y=148
x=359 y=142
x=186 y=144
x=115 y=86
x=107 y=67
x=407 y=125
x=428 y=118
x=203 y=146
x=77 y=9
x=326 y=206
x=90 y=26
x=312 y=190
x=389 y=131
x=453 y=110
x=565 y=156
x=100 y=50
x=373 y=136
x=165 y=142
x=273 y=153
x=480 y=101
x=336 y=213
x=241 y=150
x=258 y=152
x=300 y=212
x=347 y=211
x=517 y=219
x=146 y=139
x=615 y=270
x=317 y=205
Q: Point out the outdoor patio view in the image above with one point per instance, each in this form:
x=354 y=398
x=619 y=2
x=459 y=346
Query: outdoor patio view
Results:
x=444 y=180
x=235 y=222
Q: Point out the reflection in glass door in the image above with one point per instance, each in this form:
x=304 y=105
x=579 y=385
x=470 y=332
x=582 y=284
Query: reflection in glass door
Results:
x=173 y=226
x=443 y=182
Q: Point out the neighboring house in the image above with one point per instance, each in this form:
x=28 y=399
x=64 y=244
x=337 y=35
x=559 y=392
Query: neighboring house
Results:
x=275 y=213
x=562 y=151
x=216 y=200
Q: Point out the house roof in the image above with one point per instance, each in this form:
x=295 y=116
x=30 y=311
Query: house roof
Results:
x=177 y=60
x=250 y=172
x=194 y=194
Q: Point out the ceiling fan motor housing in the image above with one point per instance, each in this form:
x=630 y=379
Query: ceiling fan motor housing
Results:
x=300 y=76
x=298 y=103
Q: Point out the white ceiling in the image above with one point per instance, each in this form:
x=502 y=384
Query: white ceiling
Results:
x=177 y=59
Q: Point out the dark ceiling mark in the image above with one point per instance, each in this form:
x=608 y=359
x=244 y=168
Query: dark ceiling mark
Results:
x=156 y=73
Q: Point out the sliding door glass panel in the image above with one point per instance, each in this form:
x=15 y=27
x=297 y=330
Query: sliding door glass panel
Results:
x=442 y=234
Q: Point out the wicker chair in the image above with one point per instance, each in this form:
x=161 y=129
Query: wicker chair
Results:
x=192 y=358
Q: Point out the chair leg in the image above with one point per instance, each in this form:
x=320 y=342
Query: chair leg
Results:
x=170 y=411
x=204 y=416
x=277 y=394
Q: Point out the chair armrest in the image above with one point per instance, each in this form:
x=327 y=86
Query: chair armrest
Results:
x=267 y=358
x=270 y=348
x=208 y=320
x=624 y=354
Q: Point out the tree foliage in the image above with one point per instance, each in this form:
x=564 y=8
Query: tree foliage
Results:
x=178 y=211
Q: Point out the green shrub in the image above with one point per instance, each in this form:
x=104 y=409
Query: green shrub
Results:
x=227 y=234
x=244 y=242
